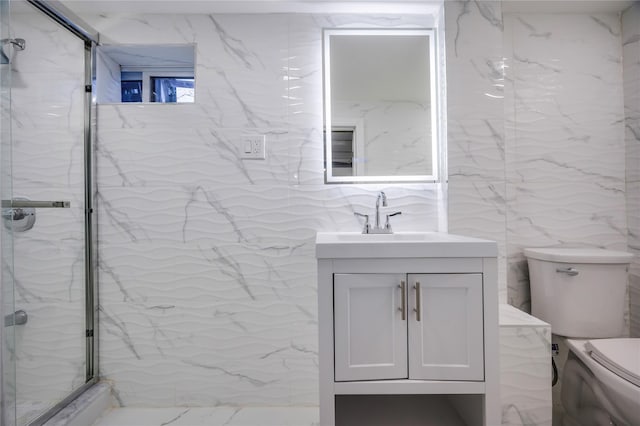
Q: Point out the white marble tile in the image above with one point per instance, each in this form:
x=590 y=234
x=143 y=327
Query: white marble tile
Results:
x=564 y=132
x=475 y=80
x=565 y=152
x=189 y=157
x=240 y=73
x=85 y=409
x=232 y=416
x=47 y=101
x=580 y=214
x=477 y=208
x=634 y=304
x=47 y=158
x=631 y=73
x=50 y=48
x=232 y=314
x=475 y=130
x=525 y=373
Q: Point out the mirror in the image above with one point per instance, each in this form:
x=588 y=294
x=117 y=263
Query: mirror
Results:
x=380 y=106
x=145 y=73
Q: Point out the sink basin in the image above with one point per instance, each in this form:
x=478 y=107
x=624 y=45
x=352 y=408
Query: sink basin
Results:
x=399 y=236
x=401 y=244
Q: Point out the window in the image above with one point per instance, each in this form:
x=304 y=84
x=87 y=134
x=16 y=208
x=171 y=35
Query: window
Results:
x=145 y=73
x=172 y=89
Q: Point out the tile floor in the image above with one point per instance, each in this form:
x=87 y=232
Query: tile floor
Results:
x=218 y=416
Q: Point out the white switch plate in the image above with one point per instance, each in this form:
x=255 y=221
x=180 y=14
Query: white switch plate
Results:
x=253 y=147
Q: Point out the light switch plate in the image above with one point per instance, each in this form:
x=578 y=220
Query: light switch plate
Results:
x=253 y=147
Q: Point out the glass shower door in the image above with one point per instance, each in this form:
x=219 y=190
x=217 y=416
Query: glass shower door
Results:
x=48 y=223
x=7 y=306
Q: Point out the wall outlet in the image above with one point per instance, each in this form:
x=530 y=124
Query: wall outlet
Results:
x=253 y=147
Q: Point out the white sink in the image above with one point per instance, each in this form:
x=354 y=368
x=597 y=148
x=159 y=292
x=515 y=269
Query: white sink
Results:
x=401 y=244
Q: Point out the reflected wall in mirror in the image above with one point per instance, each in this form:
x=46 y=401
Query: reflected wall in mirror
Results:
x=380 y=105
x=145 y=73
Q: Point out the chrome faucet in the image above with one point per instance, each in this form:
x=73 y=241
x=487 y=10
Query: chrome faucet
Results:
x=381 y=196
x=377 y=229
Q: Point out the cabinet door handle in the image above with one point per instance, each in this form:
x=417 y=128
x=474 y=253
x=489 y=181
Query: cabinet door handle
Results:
x=418 y=309
x=403 y=301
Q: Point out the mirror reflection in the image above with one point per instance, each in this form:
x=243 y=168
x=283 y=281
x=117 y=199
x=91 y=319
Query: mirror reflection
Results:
x=380 y=105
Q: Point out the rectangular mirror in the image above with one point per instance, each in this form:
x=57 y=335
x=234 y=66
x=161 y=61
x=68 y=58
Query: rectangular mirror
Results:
x=380 y=105
x=145 y=73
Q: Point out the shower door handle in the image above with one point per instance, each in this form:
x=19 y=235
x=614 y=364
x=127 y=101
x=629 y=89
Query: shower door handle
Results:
x=28 y=204
x=19 y=317
x=20 y=213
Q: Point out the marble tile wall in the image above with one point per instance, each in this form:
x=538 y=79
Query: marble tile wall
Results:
x=47 y=122
x=631 y=74
x=565 y=150
x=205 y=256
x=525 y=371
x=207 y=264
x=476 y=141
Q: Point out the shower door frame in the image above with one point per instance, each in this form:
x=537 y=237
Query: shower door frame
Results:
x=61 y=14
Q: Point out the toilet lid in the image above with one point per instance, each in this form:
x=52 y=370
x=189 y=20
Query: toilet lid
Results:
x=621 y=356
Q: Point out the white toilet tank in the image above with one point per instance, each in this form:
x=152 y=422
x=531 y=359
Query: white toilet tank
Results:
x=580 y=292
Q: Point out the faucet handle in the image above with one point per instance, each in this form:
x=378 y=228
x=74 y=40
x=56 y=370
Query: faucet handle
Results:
x=365 y=229
x=387 y=225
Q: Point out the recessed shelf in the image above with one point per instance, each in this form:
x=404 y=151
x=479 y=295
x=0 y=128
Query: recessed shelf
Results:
x=408 y=410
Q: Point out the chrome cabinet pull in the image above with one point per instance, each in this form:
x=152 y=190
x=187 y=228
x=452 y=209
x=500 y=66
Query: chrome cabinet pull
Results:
x=403 y=302
x=418 y=308
x=569 y=271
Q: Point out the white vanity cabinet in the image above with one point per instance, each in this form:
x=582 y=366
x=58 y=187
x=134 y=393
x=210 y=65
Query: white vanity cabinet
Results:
x=408 y=332
x=413 y=326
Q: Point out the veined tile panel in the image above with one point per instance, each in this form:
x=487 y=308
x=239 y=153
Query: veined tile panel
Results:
x=633 y=220
x=475 y=81
x=568 y=99
x=565 y=141
x=475 y=139
x=231 y=416
x=217 y=284
x=161 y=156
x=631 y=73
x=525 y=373
x=580 y=214
x=477 y=209
x=634 y=304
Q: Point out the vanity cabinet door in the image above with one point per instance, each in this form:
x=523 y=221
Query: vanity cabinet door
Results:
x=446 y=327
x=370 y=333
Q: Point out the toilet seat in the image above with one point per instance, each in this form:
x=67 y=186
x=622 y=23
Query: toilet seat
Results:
x=619 y=394
x=620 y=356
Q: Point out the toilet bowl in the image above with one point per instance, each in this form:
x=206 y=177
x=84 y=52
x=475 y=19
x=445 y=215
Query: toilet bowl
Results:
x=581 y=293
x=601 y=382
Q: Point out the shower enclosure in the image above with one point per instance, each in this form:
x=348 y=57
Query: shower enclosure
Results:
x=47 y=288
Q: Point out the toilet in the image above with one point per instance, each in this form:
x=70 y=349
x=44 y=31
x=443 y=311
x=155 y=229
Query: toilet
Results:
x=581 y=293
